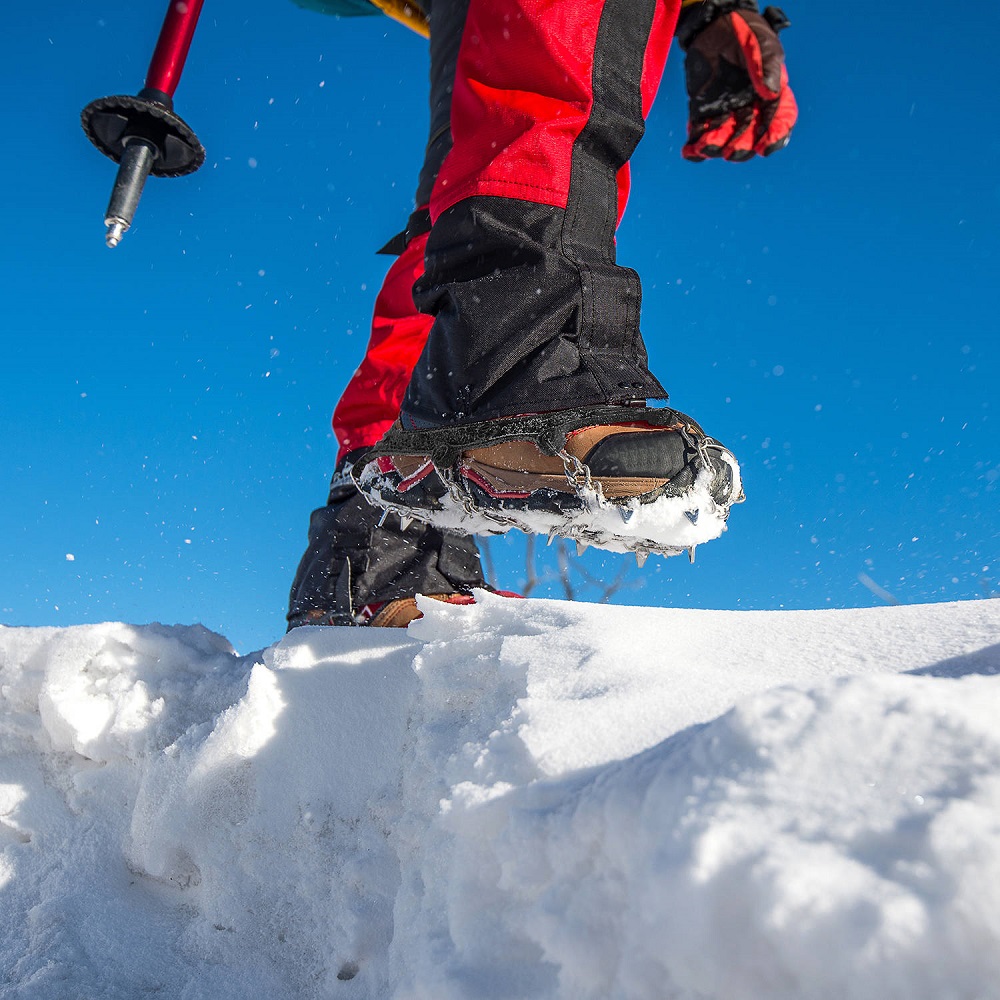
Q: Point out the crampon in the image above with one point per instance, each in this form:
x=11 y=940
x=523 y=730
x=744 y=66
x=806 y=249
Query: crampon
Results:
x=622 y=478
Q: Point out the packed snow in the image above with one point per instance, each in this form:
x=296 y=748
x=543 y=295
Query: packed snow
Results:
x=520 y=799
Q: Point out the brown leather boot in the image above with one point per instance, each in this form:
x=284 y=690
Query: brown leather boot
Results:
x=625 y=478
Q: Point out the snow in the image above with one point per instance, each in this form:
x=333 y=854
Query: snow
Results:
x=521 y=799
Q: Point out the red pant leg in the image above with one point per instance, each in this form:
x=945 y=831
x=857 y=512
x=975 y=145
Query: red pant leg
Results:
x=518 y=109
x=532 y=310
x=530 y=76
x=370 y=402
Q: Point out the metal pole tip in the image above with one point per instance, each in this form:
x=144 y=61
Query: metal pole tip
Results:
x=116 y=230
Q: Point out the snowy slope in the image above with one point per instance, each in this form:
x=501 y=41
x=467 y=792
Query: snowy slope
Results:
x=521 y=799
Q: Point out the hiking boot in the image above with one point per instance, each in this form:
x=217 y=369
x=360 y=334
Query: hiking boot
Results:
x=397 y=613
x=362 y=567
x=624 y=478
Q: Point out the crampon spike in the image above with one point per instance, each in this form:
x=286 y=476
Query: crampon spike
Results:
x=691 y=549
x=381 y=520
x=626 y=513
x=404 y=522
x=553 y=535
x=692 y=515
x=581 y=547
x=640 y=558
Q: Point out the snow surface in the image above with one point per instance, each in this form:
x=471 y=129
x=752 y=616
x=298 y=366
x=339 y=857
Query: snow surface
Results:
x=521 y=799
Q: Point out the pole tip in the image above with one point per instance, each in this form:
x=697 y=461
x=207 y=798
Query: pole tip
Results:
x=116 y=230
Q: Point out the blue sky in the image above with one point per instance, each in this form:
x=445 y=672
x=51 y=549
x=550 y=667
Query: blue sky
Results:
x=829 y=313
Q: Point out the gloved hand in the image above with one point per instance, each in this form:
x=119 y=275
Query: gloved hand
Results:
x=740 y=103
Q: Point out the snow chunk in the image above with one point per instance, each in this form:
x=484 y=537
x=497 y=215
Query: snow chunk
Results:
x=524 y=799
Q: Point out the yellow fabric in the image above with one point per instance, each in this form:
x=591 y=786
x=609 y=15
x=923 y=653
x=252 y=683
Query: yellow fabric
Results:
x=406 y=13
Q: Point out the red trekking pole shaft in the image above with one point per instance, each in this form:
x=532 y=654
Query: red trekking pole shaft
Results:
x=172 y=47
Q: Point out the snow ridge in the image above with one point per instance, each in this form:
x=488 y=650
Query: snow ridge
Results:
x=517 y=799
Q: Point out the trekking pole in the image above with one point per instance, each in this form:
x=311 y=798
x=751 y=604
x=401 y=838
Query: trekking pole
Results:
x=143 y=134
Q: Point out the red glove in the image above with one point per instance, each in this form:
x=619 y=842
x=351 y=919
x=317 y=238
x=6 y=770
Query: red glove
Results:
x=740 y=103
